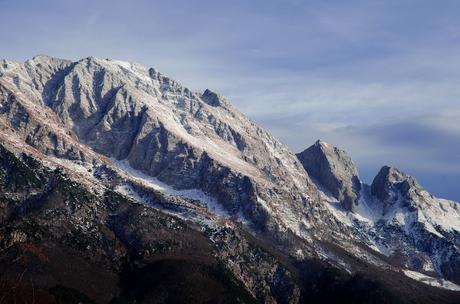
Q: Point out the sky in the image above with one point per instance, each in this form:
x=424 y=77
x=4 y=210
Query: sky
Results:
x=379 y=79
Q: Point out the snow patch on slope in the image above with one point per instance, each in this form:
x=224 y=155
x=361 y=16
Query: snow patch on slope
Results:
x=364 y=218
x=436 y=282
x=367 y=209
x=340 y=213
x=192 y=194
x=263 y=203
x=442 y=213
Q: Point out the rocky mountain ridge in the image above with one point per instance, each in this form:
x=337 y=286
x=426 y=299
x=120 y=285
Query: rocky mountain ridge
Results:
x=117 y=127
x=395 y=214
x=100 y=100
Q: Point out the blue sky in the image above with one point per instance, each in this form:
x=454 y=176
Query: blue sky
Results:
x=380 y=79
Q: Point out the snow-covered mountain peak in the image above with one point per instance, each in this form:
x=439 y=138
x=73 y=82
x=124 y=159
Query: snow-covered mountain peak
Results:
x=394 y=175
x=391 y=185
x=399 y=191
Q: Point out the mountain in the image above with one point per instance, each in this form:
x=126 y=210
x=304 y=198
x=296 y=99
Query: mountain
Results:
x=394 y=215
x=121 y=185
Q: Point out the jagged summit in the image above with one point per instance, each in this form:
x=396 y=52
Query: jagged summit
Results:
x=391 y=180
x=333 y=169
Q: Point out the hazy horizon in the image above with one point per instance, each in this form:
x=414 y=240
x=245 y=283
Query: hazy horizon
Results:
x=379 y=80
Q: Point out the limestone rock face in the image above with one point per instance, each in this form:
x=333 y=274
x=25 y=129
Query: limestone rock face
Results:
x=334 y=170
x=187 y=140
x=118 y=154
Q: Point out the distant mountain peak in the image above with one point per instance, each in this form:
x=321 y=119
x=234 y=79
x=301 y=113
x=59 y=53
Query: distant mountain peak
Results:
x=333 y=169
x=391 y=180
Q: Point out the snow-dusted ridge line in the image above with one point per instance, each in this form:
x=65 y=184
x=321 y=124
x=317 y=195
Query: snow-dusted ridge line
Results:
x=435 y=212
x=193 y=194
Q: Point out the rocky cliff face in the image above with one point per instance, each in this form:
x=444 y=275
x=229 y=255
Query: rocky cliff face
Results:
x=334 y=170
x=143 y=172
